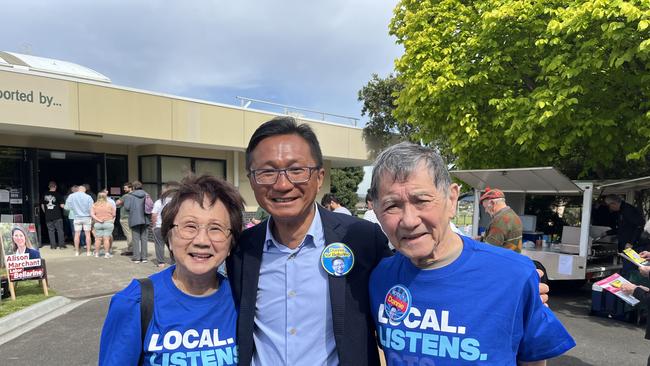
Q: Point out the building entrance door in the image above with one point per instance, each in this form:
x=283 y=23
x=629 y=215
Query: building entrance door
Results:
x=66 y=169
x=15 y=199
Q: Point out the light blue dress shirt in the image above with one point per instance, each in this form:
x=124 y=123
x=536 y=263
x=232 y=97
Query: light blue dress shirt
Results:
x=80 y=203
x=293 y=316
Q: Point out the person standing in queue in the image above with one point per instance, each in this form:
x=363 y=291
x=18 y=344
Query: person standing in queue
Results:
x=138 y=222
x=81 y=203
x=424 y=299
x=52 y=204
x=166 y=195
x=103 y=214
x=124 y=218
x=293 y=310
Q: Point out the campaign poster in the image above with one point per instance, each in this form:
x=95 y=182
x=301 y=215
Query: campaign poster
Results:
x=22 y=260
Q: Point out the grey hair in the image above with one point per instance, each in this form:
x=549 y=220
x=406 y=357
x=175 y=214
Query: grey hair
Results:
x=613 y=198
x=401 y=160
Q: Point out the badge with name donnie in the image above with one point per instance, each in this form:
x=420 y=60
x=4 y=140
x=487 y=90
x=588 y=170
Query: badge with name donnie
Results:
x=397 y=303
x=337 y=259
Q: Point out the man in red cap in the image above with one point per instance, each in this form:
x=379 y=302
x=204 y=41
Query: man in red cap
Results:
x=505 y=228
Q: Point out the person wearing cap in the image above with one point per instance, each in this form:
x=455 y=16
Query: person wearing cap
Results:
x=505 y=228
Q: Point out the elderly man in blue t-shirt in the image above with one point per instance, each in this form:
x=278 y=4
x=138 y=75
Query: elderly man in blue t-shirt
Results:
x=446 y=299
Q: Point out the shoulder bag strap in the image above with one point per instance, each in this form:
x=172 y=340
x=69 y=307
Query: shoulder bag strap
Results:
x=146 y=310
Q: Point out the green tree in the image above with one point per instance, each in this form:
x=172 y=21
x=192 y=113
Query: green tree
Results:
x=378 y=97
x=522 y=83
x=344 y=184
x=383 y=129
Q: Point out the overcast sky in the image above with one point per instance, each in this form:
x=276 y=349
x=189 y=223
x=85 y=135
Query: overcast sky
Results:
x=310 y=54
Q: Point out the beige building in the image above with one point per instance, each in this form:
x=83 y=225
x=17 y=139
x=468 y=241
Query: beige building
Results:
x=63 y=122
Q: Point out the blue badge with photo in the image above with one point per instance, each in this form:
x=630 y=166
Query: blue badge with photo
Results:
x=337 y=259
x=397 y=303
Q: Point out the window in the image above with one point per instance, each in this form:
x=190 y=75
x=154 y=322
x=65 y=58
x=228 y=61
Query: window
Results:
x=158 y=169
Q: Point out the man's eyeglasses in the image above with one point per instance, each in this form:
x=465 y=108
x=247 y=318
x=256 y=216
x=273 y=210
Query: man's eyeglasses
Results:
x=294 y=175
x=190 y=230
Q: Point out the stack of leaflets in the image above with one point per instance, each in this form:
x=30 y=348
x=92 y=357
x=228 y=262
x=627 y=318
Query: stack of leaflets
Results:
x=634 y=257
x=613 y=284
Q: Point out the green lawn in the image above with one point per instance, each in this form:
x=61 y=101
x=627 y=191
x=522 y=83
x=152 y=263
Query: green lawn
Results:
x=462 y=220
x=27 y=293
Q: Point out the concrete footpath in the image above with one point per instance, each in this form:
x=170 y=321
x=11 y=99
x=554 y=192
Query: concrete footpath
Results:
x=76 y=280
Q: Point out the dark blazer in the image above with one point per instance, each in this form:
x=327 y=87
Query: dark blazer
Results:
x=354 y=329
x=644 y=296
x=33 y=253
x=630 y=225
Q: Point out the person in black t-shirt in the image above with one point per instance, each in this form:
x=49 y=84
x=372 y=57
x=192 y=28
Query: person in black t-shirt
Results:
x=52 y=205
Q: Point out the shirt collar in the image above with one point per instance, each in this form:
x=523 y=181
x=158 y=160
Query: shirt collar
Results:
x=314 y=236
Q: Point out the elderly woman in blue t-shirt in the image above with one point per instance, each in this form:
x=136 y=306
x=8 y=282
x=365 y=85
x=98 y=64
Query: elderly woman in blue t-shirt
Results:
x=194 y=317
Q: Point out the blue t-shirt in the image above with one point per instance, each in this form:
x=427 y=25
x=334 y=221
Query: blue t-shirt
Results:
x=483 y=308
x=184 y=330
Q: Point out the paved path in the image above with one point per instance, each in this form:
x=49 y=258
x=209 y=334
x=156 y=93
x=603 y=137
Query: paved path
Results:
x=87 y=277
x=71 y=339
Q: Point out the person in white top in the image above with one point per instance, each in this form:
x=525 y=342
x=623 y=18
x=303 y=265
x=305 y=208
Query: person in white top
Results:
x=168 y=190
x=370 y=212
x=332 y=203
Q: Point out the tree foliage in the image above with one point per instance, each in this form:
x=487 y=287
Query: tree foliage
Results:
x=344 y=184
x=383 y=129
x=520 y=83
x=378 y=97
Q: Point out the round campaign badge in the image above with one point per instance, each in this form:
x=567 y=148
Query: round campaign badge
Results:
x=337 y=259
x=397 y=303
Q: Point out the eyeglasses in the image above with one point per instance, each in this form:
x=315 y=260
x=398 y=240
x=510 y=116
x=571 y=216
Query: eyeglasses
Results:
x=190 y=230
x=294 y=175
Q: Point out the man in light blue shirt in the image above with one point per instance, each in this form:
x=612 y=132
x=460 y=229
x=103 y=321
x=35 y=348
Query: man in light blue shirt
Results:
x=292 y=271
x=294 y=307
x=81 y=203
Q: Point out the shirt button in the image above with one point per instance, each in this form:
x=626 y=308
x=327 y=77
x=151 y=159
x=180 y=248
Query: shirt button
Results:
x=292 y=331
x=292 y=293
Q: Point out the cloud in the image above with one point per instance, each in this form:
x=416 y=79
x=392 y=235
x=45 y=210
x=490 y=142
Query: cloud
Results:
x=314 y=54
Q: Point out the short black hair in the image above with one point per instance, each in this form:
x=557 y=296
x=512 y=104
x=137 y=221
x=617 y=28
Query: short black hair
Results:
x=284 y=125
x=368 y=197
x=329 y=198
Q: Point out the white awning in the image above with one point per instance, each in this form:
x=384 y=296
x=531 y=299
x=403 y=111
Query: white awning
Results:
x=624 y=186
x=526 y=180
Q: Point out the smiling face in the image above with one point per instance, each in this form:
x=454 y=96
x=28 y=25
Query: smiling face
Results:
x=19 y=239
x=199 y=256
x=286 y=201
x=415 y=215
x=338 y=265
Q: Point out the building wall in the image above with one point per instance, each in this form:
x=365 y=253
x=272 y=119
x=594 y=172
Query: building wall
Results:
x=110 y=111
x=57 y=113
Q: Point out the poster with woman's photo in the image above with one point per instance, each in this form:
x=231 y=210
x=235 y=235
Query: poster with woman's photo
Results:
x=22 y=260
